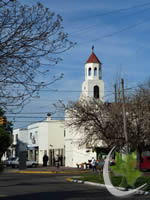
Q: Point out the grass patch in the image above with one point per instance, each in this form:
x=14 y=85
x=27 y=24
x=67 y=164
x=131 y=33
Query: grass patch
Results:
x=91 y=177
x=116 y=180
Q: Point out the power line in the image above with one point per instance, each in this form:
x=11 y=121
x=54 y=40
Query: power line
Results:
x=28 y=113
x=35 y=117
x=89 y=27
x=41 y=121
x=117 y=32
x=39 y=113
x=49 y=90
x=59 y=117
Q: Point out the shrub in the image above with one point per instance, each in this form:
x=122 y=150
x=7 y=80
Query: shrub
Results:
x=141 y=180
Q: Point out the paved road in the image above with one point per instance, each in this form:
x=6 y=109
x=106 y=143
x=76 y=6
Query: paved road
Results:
x=15 y=186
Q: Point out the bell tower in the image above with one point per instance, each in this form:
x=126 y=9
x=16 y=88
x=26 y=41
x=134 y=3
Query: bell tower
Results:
x=93 y=86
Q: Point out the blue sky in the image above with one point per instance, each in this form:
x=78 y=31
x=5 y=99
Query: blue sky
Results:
x=119 y=31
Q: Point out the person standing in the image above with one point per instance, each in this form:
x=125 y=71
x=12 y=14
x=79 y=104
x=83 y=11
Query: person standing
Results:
x=45 y=160
x=93 y=163
x=61 y=160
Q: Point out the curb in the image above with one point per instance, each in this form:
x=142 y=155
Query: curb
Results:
x=47 y=172
x=141 y=192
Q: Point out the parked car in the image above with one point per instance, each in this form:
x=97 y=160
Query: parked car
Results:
x=145 y=163
x=9 y=161
x=29 y=163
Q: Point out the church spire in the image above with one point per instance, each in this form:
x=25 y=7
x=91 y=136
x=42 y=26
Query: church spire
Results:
x=93 y=58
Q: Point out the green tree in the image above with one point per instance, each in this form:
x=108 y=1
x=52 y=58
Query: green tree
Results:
x=5 y=133
x=5 y=141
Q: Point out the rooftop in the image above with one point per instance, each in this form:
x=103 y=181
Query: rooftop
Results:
x=93 y=59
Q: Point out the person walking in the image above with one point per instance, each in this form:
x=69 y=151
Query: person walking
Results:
x=93 y=163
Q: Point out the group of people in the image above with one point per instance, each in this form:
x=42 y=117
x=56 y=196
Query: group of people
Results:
x=57 y=162
x=100 y=163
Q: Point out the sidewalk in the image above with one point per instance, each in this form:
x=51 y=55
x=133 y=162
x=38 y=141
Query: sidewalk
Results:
x=138 y=192
x=48 y=170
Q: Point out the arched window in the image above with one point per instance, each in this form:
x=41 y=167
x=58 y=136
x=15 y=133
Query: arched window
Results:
x=95 y=71
x=90 y=72
x=96 y=92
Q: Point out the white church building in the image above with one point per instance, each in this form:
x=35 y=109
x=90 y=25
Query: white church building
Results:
x=92 y=87
x=52 y=137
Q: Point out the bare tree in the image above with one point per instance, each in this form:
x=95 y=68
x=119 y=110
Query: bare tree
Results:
x=139 y=115
x=104 y=121
x=97 y=120
x=28 y=35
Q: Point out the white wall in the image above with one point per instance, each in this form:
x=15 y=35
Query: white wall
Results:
x=74 y=152
x=33 y=135
x=56 y=134
x=22 y=135
x=81 y=154
x=43 y=140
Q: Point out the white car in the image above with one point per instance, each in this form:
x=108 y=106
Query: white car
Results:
x=29 y=163
x=9 y=161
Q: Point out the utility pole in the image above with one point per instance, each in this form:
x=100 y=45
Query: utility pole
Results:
x=115 y=86
x=124 y=113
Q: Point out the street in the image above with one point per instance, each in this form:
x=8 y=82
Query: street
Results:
x=14 y=186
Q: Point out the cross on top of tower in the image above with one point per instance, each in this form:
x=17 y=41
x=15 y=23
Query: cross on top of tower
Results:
x=92 y=48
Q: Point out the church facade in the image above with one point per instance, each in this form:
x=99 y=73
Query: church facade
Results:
x=92 y=87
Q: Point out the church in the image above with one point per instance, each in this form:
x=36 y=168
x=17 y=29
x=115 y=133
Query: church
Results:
x=53 y=137
x=92 y=87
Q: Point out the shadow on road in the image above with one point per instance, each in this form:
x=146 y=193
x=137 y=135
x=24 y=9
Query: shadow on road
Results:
x=62 y=195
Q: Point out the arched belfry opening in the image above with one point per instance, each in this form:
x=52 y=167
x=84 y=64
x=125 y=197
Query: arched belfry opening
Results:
x=96 y=92
x=95 y=71
x=90 y=71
